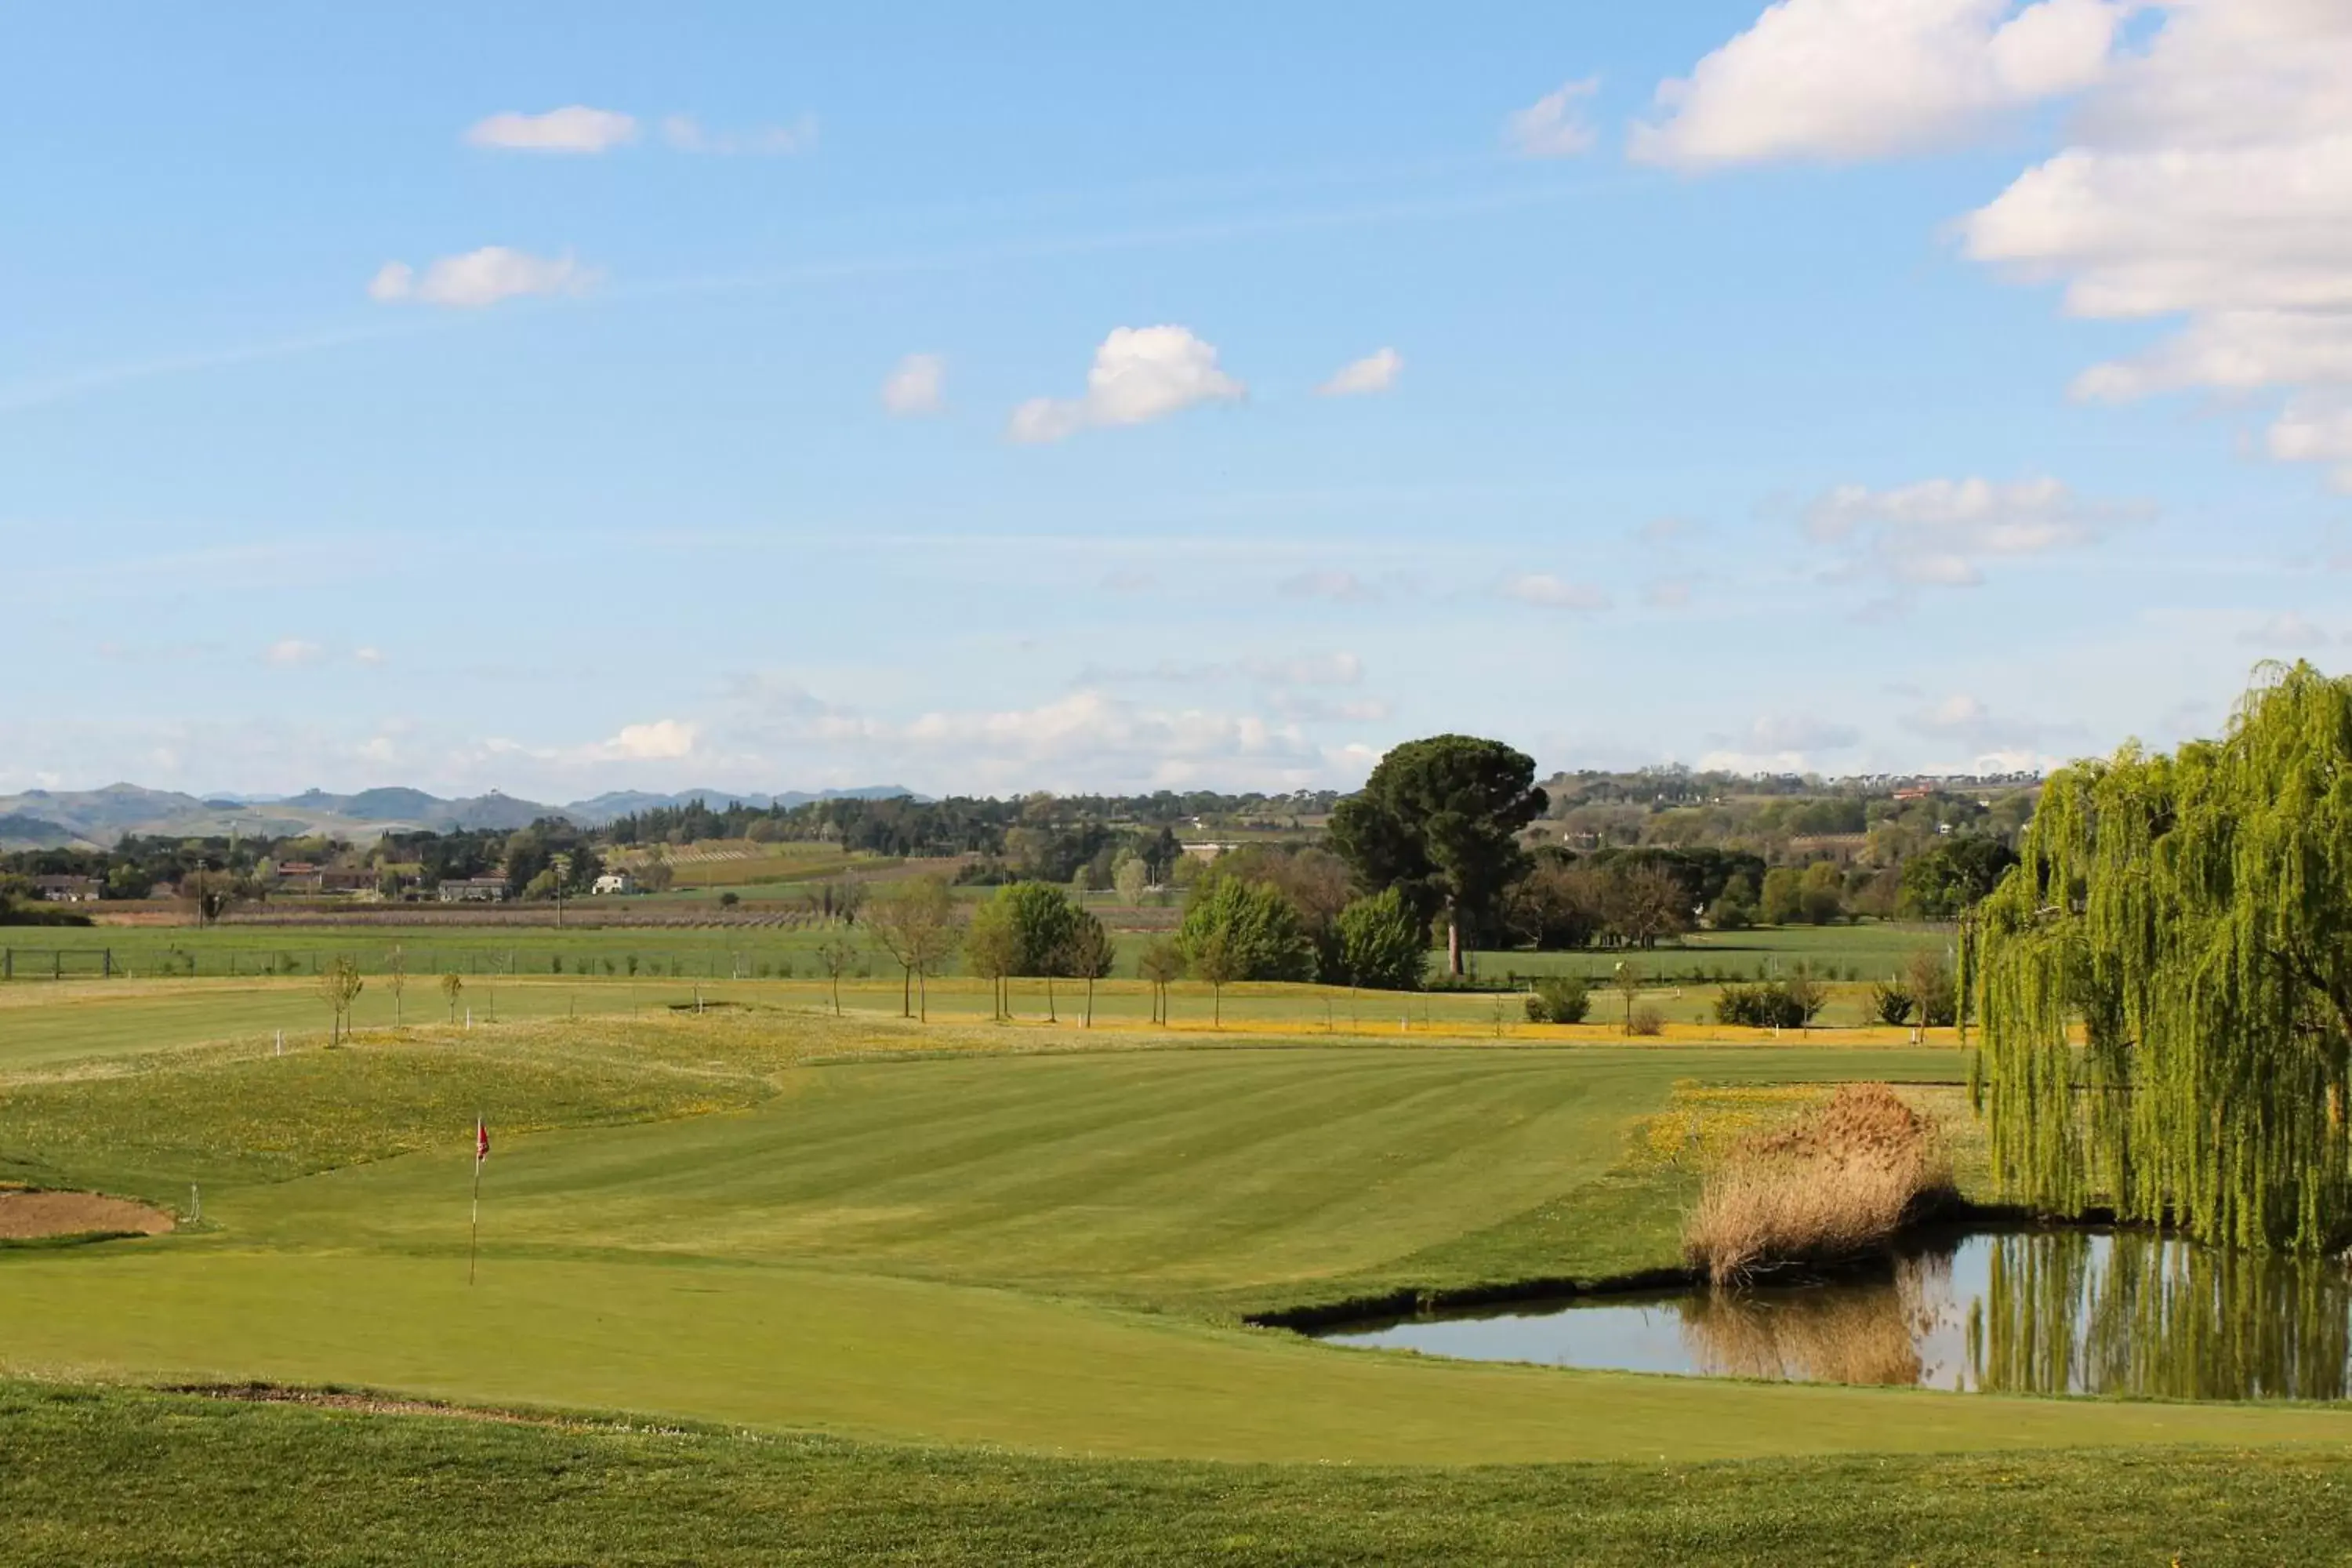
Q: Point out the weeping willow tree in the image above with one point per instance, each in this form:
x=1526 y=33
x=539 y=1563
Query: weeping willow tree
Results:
x=2164 y=985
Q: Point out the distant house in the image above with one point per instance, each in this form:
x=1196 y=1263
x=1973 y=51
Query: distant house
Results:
x=1201 y=849
x=69 y=889
x=1843 y=849
x=616 y=882
x=474 y=890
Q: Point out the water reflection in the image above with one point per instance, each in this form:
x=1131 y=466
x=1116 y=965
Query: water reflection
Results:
x=2033 y=1311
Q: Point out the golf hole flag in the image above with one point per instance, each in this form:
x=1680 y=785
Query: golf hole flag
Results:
x=481 y=1152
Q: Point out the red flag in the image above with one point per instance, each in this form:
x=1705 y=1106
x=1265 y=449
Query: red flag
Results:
x=481 y=1140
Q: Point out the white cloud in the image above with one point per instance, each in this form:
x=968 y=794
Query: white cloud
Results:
x=1548 y=591
x=1340 y=587
x=1937 y=532
x=1139 y=373
x=1373 y=373
x=1847 y=79
x=368 y=655
x=574 y=129
x=1553 y=126
x=2287 y=630
x=2316 y=429
x=663 y=740
x=919 y=386
x=479 y=278
x=686 y=134
x=2209 y=179
x=1988 y=743
x=292 y=652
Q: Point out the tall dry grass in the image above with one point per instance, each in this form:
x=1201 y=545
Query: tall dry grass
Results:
x=1835 y=1184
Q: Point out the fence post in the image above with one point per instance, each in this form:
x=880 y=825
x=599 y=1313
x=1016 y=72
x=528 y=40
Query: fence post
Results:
x=109 y=964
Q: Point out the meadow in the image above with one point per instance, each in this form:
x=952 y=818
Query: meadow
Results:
x=958 y=1291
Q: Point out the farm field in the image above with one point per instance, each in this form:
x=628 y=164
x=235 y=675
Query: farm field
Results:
x=863 y=1259
x=1678 y=979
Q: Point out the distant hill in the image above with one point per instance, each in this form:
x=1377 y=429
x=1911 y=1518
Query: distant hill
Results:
x=43 y=819
x=597 y=811
x=18 y=831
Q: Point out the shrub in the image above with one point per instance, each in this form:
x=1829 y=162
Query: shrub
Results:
x=1788 y=1003
x=728 y=900
x=1381 y=943
x=1892 y=1003
x=1239 y=931
x=1559 y=999
x=1646 y=1021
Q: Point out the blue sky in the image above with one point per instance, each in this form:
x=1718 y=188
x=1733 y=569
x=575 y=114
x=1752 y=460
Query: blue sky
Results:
x=597 y=398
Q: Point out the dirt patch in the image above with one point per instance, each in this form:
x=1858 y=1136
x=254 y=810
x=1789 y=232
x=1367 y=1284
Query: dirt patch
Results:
x=34 y=1216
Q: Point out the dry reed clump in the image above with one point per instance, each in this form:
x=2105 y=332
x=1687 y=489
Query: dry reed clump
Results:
x=1832 y=1184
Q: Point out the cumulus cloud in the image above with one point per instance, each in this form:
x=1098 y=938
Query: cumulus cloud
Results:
x=2209 y=180
x=479 y=278
x=919 y=386
x=1548 y=591
x=1374 y=373
x=1987 y=741
x=1553 y=126
x=684 y=133
x=1939 y=533
x=1340 y=587
x=575 y=128
x=1847 y=79
x=1139 y=374
x=2316 y=429
x=663 y=740
x=292 y=652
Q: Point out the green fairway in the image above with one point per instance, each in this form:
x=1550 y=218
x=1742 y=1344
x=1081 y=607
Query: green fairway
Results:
x=746 y=1218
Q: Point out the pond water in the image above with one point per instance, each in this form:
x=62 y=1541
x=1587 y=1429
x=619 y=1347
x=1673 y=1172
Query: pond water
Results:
x=2038 y=1311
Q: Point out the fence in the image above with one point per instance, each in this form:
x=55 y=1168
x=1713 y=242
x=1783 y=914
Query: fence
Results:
x=55 y=962
x=423 y=963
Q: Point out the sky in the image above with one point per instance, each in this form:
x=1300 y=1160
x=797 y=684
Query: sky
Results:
x=1054 y=396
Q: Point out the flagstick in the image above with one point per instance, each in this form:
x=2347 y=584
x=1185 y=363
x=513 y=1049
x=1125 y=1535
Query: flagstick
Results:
x=475 y=1249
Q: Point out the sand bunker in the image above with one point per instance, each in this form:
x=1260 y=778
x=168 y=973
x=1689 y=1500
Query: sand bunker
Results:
x=29 y=1216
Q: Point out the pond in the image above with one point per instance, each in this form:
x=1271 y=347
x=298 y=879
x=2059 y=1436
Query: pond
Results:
x=2030 y=1311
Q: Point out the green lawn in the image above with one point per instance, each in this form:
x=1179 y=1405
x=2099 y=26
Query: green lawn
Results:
x=108 y=1476
x=1024 y=1252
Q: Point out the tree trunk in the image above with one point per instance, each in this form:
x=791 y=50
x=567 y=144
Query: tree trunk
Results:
x=1216 y=1006
x=1051 y=1018
x=1090 y=1003
x=906 y=990
x=1453 y=941
x=922 y=998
